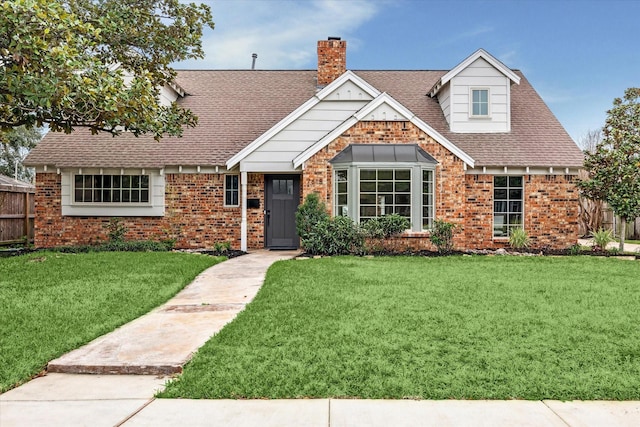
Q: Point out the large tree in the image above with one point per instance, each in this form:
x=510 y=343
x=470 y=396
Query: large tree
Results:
x=14 y=146
x=95 y=63
x=614 y=166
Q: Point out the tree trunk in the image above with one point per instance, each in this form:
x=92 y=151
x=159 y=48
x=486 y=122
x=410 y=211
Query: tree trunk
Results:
x=623 y=232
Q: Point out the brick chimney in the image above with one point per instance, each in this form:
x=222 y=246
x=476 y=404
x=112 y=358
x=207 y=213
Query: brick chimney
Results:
x=332 y=60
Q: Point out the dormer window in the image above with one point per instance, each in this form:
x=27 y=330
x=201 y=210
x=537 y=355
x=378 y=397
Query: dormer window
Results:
x=479 y=102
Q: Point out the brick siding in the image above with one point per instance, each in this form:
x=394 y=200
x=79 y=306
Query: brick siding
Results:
x=196 y=218
x=194 y=215
x=550 y=206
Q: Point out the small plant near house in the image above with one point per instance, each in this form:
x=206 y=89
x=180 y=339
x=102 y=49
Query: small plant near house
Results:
x=601 y=239
x=442 y=235
x=381 y=228
x=115 y=230
x=221 y=248
x=518 y=238
x=309 y=214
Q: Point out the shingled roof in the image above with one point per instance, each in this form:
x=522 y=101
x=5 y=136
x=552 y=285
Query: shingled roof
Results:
x=236 y=106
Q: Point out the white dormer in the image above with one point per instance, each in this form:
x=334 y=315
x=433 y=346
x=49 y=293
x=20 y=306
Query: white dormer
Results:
x=475 y=96
x=170 y=93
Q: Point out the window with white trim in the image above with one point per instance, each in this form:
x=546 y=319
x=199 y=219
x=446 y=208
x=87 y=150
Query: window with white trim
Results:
x=231 y=193
x=363 y=193
x=508 y=203
x=427 y=199
x=383 y=192
x=126 y=189
x=373 y=180
x=480 y=102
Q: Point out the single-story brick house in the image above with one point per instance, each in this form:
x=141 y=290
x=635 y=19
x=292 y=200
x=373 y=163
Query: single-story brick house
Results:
x=474 y=145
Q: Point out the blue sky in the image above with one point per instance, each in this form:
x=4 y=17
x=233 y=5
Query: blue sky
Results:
x=578 y=54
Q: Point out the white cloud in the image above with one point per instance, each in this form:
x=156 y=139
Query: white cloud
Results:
x=282 y=33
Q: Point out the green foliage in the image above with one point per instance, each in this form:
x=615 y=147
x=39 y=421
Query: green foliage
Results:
x=601 y=238
x=385 y=226
x=442 y=235
x=518 y=238
x=118 y=246
x=335 y=236
x=322 y=235
x=309 y=214
x=14 y=146
x=115 y=230
x=614 y=166
x=577 y=249
x=53 y=303
x=221 y=248
x=429 y=328
x=96 y=64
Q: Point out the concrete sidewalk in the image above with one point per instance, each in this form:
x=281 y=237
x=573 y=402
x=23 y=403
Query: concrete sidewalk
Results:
x=160 y=342
x=115 y=400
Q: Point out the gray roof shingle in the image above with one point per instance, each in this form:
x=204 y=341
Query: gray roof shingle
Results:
x=236 y=106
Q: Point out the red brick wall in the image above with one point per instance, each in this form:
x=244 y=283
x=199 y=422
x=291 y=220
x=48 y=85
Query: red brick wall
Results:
x=194 y=215
x=332 y=60
x=551 y=205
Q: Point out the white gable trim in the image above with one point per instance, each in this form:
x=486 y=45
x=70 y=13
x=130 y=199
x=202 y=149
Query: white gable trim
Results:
x=298 y=112
x=361 y=115
x=480 y=53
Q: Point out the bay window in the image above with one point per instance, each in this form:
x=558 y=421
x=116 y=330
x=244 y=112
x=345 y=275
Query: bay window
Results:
x=368 y=183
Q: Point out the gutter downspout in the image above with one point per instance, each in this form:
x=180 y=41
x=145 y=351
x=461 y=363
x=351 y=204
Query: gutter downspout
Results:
x=243 y=222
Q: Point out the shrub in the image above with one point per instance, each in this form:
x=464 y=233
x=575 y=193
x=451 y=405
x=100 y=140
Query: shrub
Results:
x=335 y=236
x=442 y=235
x=601 y=239
x=115 y=230
x=309 y=214
x=518 y=238
x=221 y=248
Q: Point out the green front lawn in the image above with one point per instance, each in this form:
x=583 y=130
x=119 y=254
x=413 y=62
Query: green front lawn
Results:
x=51 y=303
x=439 y=328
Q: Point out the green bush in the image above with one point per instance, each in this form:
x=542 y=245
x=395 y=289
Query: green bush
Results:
x=116 y=230
x=601 y=239
x=309 y=214
x=518 y=238
x=385 y=226
x=442 y=235
x=335 y=236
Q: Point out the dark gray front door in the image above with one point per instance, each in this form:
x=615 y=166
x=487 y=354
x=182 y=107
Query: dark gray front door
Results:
x=282 y=193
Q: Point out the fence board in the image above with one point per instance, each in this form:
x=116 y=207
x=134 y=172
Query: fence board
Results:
x=17 y=211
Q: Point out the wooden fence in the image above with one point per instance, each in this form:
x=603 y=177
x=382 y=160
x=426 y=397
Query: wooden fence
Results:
x=17 y=211
x=609 y=221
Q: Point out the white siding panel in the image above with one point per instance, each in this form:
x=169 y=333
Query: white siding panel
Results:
x=272 y=156
x=480 y=68
x=277 y=154
x=352 y=106
x=385 y=113
x=348 y=92
x=314 y=125
x=274 y=166
x=444 y=98
x=479 y=76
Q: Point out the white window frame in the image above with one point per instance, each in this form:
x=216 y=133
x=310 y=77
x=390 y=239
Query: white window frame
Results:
x=508 y=212
x=237 y=190
x=480 y=116
x=74 y=202
x=353 y=190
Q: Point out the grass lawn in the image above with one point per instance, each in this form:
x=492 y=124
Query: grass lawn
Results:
x=430 y=328
x=51 y=303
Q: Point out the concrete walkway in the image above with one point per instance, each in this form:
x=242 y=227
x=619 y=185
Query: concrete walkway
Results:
x=163 y=340
x=628 y=247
